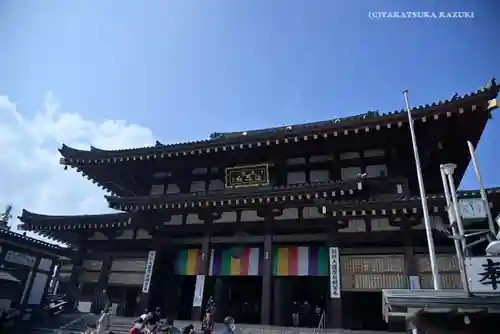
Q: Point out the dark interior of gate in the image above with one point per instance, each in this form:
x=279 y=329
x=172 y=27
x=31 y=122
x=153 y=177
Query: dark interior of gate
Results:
x=278 y=226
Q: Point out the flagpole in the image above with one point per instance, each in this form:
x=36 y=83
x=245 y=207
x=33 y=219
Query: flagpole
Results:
x=423 y=197
x=484 y=197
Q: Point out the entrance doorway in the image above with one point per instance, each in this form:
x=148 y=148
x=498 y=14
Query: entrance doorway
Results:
x=236 y=296
x=244 y=298
x=126 y=298
x=362 y=310
x=307 y=297
x=187 y=285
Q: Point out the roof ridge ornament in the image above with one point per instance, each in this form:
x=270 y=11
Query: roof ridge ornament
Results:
x=490 y=84
x=216 y=135
x=5 y=217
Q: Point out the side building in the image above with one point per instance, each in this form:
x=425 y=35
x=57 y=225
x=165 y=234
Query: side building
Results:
x=27 y=266
x=322 y=214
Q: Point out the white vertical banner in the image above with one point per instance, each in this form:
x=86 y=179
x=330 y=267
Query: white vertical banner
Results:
x=198 y=291
x=149 y=272
x=334 y=272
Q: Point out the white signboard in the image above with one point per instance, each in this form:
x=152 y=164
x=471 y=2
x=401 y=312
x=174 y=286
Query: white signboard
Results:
x=149 y=272
x=37 y=289
x=198 y=291
x=483 y=274
x=334 y=272
x=20 y=258
x=414 y=282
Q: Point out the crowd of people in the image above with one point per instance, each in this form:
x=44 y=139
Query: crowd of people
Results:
x=151 y=323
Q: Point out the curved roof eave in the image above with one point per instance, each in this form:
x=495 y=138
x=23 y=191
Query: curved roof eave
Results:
x=489 y=91
x=26 y=241
x=30 y=216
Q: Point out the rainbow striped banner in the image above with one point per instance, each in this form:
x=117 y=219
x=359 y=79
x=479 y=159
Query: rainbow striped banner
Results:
x=228 y=262
x=300 y=261
x=188 y=262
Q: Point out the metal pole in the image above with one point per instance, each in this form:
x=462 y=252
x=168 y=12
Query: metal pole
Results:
x=458 y=217
x=446 y=194
x=423 y=197
x=491 y=222
x=456 y=241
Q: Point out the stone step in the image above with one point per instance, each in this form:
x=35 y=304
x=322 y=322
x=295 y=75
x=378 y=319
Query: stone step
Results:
x=121 y=325
x=62 y=324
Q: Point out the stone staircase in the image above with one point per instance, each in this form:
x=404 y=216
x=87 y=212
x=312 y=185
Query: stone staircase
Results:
x=121 y=325
x=76 y=323
x=72 y=323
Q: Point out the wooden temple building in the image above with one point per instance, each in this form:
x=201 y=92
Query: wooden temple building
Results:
x=26 y=269
x=323 y=214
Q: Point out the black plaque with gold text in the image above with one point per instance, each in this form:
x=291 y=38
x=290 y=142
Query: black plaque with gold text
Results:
x=247 y=176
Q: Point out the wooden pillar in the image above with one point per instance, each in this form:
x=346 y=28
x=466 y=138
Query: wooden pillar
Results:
x=334 y=305
x=201 y=281
x=267 y=278
x=102 y=282
x=411 y=267
x=165 y=281
x=76 y=272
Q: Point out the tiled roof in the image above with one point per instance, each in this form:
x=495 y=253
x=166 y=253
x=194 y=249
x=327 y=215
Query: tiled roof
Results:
x=119 y=216
x=219 y=141
x=47 y=225
x=31 y=242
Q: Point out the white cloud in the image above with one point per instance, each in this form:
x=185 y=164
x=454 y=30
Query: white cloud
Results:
x=30 y=174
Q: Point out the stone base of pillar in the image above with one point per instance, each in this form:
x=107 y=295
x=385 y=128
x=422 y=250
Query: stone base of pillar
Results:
x=196 y=314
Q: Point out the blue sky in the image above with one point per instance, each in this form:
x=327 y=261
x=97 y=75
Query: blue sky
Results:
x=185 y=69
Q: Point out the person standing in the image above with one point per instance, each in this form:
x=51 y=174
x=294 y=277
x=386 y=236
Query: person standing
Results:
x=104 y=322
x=295 y=314
x=208 y=323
